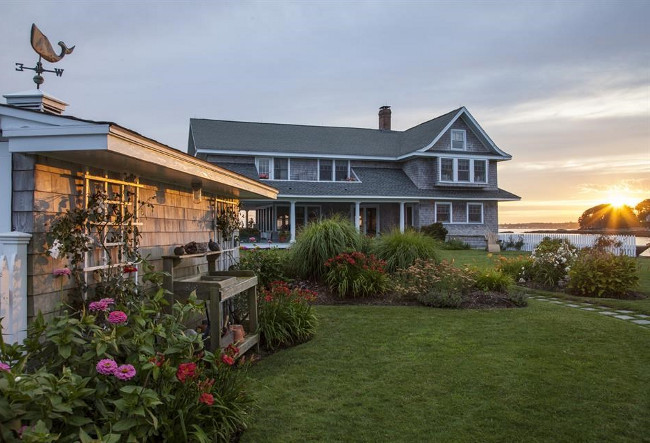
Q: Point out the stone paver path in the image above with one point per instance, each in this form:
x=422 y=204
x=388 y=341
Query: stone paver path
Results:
x=637 y=318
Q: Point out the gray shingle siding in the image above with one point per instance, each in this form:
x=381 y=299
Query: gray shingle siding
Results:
x=474 y=144
x=422 y=171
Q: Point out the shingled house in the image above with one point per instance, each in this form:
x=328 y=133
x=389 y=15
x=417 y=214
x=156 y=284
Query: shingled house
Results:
x=443 y=170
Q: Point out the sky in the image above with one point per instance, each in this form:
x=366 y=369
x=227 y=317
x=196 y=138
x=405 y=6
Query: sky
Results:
x=564 y=87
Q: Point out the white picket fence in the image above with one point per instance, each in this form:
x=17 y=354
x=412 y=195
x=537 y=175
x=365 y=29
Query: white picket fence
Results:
x=13 y=285
x=628 y=242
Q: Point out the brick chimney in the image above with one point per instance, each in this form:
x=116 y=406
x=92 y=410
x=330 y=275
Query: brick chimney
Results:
x=36 y=100
x=384 y=118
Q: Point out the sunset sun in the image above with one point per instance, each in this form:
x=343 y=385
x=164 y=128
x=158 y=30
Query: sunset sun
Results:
x=618 y=200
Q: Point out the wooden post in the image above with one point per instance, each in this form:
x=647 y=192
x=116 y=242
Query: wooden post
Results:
x=252 y=313
x=215 y=319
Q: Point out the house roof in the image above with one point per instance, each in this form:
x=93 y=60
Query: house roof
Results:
x=374 y=183
x=108 y=145
x=250 y=138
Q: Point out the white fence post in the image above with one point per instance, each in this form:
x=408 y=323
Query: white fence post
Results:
x=13 y=285
x=531 y=240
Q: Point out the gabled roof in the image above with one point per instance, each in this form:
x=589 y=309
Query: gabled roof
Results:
x=250 y=138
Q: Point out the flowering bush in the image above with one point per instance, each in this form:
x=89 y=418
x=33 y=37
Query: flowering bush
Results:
x=268 y=264
x=552 y=261
x=138 y=378
x=519 y=268
x=426 y=275
x=599 y=273
x=356 y=275
x=285 y=315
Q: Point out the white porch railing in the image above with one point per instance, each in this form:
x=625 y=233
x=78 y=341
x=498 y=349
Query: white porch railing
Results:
x=13 y=285
x=628 y=242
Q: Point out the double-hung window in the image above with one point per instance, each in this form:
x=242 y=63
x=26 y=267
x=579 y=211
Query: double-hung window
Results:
x=325 y=170
x=463 y=170
x=280 y=169
x=342 y=168
x=443 y=212
x=474 y=212
x=458 y=139
x=480 y=171
x=264 y=167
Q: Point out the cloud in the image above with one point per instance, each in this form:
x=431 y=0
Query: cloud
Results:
x=604 y=165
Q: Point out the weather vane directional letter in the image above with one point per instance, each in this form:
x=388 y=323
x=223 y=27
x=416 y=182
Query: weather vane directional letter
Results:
x=44 y=49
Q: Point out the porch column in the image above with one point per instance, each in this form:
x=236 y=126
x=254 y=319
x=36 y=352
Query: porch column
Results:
x=292 y=221
x=13 y=285
x=357 y=215
x=401 y=217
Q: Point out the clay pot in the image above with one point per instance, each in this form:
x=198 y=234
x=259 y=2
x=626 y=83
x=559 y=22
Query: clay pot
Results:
x=238 y=332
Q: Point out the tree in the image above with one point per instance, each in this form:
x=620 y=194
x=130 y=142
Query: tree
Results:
x=643 y=212
x=607 y=216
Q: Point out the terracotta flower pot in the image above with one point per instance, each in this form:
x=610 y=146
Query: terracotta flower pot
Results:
x=238 y=332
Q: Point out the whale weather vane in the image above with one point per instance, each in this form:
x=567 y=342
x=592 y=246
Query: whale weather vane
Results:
x=44 y=49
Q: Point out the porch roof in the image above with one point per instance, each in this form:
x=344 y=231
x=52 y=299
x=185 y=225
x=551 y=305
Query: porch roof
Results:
x=375 y=183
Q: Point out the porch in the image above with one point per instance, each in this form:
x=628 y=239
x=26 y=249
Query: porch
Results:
x=277 y=223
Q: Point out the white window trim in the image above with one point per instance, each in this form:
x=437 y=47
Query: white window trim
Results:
x=471 y=170
x=257 y=166
x=451 y=143
x=451 y=212
x=467 y=213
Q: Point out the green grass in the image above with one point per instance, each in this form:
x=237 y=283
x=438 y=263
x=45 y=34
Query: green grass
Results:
x=542 y=373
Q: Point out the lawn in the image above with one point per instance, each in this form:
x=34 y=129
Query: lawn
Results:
x=541 y=373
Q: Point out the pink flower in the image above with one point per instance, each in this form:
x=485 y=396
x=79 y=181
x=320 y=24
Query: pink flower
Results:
x=4 y=367
x=117 y=317
x=101 y=305
x=206 y=398
x=125 y=372
x=251 y=239
x=106 y=366
x=62 y=271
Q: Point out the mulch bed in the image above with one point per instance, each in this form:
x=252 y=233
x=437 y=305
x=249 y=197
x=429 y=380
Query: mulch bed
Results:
x=476 y=300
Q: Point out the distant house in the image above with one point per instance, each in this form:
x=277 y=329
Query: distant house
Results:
x=443 y=170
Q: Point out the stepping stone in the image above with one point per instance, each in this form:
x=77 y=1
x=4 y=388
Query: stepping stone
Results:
x=557 y=301
x=589 y=309
x=624 y=317
x=542 y=299
x=643 y=316
x=626 y=312
x=574 y=306
x=641 y=322
x=607 y=313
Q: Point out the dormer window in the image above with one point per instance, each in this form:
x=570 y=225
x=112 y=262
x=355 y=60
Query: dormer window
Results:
x=264 y=167
x=463 y=170
x=458 y=139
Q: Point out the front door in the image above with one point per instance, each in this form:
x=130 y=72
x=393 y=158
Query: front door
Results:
x=369 y=222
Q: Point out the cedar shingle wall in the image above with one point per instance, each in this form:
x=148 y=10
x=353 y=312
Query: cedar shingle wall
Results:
x=45 y=188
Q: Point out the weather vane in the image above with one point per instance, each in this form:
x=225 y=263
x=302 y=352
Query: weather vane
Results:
x=44 y=49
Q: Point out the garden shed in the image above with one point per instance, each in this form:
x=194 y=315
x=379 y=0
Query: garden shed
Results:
x=50 y=162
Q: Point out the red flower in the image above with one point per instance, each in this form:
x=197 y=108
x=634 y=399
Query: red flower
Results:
x=129 y=269
x=185 y=370
x=227 y=359
x=157 y=359
x=268 y=298
x=206 y=398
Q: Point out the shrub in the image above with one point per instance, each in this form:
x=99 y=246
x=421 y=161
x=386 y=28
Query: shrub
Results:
x=424 y=275
x=454 y=244
x=356 y=275
x=518 y=268
x=552 y=261
x=441 y=298
x=401 y=249
x=285 y=315
x=518 y=298
x=598 y=273
x=493 y=280
x=268 y=264
x=512 y=243
x=120 y=369
x=435 y=230
x=320 y=241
